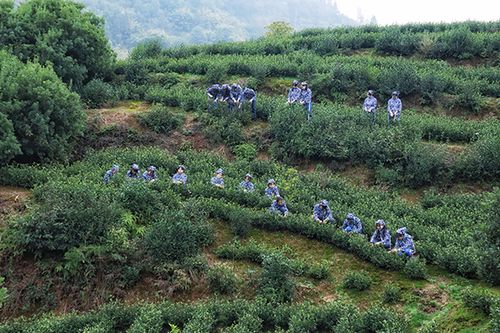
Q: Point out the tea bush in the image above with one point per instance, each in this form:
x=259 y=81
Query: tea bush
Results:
x=161 y=120
x=67 y=213
x=480 y=299
x=357 y=280
x=392 y=293
x=233 y=316
x=415 y=269
x=256 y=253
x=222 y=280
x=275 y=284
x=174 y=238
x=97 y=93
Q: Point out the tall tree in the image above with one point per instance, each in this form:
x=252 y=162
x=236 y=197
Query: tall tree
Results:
x=45 y=116
x=60 y=33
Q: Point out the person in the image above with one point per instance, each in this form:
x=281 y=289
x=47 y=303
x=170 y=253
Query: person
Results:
x=404 y=243
x=249 y=95
x=322 y=213
x=279 y=206
x=271 y=189
x=306 y=99
x=180 y=177
x=218 y=179
x=225 y=95
x=381 y=236
x=352 y=223
x=247 y=184
x=134 y=172
x=370 y=106
x=110 y=173
x=150 y=174
x=394 y=107
x=294 y=93
x=213 y=94
x=235 y=95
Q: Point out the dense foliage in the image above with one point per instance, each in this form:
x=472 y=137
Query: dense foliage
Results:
x=59 y=33
x=448 y=242
x=230 y=316
x=46 y=118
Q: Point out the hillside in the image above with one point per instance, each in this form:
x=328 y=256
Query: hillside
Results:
x=84 y=249
x=197 y=22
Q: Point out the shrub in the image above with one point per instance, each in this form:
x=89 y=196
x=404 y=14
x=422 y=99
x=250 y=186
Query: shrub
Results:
x=241 y=224
x=479 y=299
x=357 y=280
x=245 y=151
x=391 y=294
x=63 y=35
x=148 y=320
x=275 y=284
x=174 y=238
x=160 y=119
x=46 y=117
x=97 y=93
x=68 y=214
x=144 y=200
x=222 y=280
x=380 y=319
x=9 y=146
x=415 y=268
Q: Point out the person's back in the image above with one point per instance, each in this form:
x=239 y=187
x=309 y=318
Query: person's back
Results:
x=249 y=95
x=214 y=91
x=236 y=91
x=225 y=92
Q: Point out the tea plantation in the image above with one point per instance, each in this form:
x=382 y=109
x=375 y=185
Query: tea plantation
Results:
x=79 y=254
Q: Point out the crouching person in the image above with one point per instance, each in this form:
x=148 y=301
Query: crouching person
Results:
x=247 y=185
x=180 y=176
x=110 y=173
x=352 y=223
x=218 y=179
x=150 y=174
x=404 y=243
x=381 y=236
x=322 y=213
x=279 y=207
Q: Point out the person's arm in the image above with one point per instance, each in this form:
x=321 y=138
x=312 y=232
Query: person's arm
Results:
x=357 y=226
x=344 y=225
x=373 y=239
x=316 y=215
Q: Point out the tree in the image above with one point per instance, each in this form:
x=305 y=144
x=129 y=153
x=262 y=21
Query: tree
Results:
x=60 y=33
x=278 y=29
x=9 y=147
x=45 y=116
